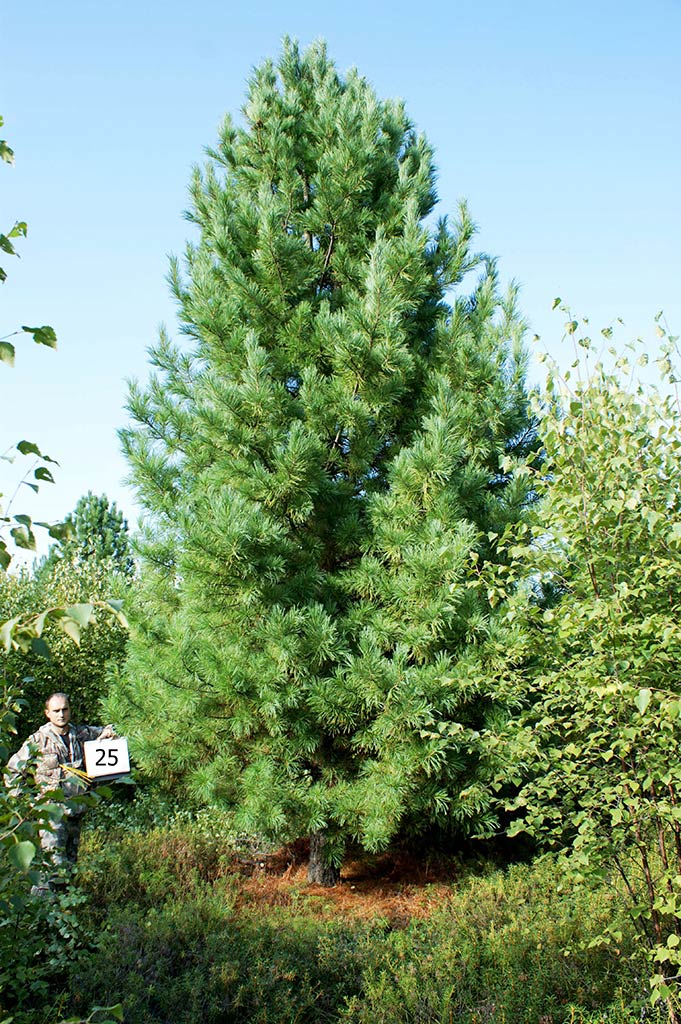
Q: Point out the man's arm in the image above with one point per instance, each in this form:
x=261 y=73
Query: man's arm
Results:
x=95 y=732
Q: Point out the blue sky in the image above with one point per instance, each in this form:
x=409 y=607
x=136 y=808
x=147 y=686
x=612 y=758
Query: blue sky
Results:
x=559 y=123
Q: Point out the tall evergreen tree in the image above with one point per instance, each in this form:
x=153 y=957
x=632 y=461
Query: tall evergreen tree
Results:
x=320 y=469
x=95 y=531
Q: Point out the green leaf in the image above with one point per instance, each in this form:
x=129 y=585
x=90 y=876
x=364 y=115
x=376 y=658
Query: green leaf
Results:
x=5 y=557
x=55 y=812
x=674 y=709
x=71 y=628
x=6 y=153
x=19 y=230
x=82 y=613
x=642 y=700
x=556 y=303
x=115 y=1011
x=29 y=448
x=43 y=473
x=6 y=631
x=41 y=648
x=7 y=246
x=40 y=620
x=23 y=538
x=21 y=855
x=42 y=335
x=59 y=531
x=7 y=353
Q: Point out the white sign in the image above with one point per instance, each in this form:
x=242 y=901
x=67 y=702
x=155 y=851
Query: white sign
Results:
x=104 y=758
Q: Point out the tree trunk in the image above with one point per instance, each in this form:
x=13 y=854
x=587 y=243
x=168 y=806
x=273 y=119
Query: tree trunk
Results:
x=319 y=871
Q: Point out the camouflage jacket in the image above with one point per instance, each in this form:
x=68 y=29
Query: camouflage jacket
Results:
x=56 y=754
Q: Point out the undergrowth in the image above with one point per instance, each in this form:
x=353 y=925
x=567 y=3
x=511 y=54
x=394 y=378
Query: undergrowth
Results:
x=176 y=942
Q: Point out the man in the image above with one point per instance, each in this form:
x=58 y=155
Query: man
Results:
x=59 y=749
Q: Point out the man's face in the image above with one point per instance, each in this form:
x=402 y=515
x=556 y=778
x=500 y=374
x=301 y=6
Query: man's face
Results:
x=58 y=713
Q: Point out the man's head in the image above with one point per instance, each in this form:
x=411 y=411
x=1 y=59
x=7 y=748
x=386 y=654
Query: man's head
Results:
x=58 y=712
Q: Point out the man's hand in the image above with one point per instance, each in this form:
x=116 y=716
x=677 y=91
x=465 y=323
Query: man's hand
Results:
x=107 y=733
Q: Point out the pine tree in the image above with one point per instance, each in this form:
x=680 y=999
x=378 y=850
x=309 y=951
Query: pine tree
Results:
x=320 y=470
x=96 y=530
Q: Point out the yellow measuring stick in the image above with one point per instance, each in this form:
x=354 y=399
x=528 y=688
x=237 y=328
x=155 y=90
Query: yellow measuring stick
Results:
x=77 y=771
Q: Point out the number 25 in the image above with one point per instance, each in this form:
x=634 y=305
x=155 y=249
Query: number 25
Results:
x=103 y=761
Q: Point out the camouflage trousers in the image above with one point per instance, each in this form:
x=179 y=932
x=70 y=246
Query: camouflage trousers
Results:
x=62 y=841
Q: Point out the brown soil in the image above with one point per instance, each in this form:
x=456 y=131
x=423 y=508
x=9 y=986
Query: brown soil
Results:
x=396 y=887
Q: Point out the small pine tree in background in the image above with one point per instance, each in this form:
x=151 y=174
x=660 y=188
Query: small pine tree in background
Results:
x=93 y=562
x=96 y=530
x=319 y=467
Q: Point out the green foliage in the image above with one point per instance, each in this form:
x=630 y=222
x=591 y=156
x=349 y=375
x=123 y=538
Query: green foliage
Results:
x=99 y=1015
x=37 y=936
x=84 y=581
x=181 y=941
x=95 y=530
x=23 y=631
x=19 y=525
x=190 y=961
x=594 y=751
x=47 y=659
x=317 y=469
x=508 y=948
x=143 y=869
x=41 y=335
x=617 y=1013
